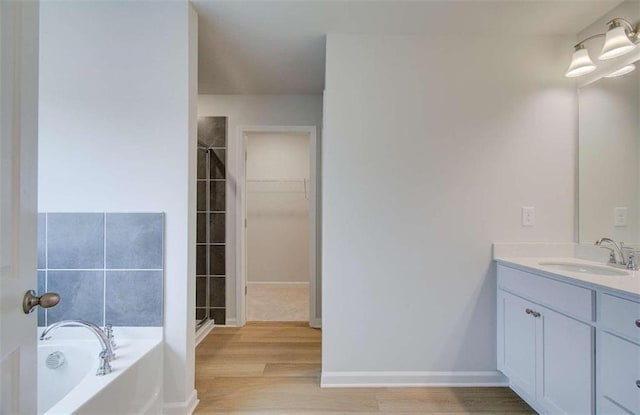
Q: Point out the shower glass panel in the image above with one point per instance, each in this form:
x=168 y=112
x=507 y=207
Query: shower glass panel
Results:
x=211 y=220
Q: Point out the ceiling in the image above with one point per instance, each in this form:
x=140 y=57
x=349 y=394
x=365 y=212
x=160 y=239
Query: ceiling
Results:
x=278 y=47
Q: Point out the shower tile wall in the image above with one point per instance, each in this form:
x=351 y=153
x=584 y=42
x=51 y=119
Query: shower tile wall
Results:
x=211 y=221
x=107 y=267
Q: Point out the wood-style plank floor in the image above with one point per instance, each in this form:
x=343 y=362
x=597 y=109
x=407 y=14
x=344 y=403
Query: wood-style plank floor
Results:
x=274 y=368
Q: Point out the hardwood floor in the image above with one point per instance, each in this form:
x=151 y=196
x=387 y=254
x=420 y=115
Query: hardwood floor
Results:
x=274 y=368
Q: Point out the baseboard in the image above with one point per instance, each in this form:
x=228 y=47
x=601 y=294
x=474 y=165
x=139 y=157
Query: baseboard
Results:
x=316 y=323
x=231 y=322
x=204 y=331
x=411 y=379
x=182 y=408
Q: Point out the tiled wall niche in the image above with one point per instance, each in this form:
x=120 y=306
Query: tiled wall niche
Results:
x=107 y=267
x=211 y=219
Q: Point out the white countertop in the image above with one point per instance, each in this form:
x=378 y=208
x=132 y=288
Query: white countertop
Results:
x=629 y=283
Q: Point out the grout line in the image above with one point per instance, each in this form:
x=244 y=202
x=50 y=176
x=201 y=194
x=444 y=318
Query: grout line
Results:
x=207 y=232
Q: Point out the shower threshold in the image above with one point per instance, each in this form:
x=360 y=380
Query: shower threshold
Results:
x=203 y=328
x=201 y=323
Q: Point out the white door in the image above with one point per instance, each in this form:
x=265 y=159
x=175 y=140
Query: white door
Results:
x=18 y=191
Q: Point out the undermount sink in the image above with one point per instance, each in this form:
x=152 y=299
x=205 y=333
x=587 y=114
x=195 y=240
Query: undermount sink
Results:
x=585 y=268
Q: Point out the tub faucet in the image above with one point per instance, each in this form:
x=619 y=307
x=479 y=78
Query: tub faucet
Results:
x=106 y=355
x=616 y=255
x=108 y=330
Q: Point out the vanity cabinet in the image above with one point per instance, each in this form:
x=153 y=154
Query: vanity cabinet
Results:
x=618 y=355
x=547 y=355
x=558 y=353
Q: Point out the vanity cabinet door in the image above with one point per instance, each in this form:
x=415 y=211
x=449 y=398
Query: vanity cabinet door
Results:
x=517 y=343
x=565 y=364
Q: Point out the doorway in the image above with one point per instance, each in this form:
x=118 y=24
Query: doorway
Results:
x=277 y=224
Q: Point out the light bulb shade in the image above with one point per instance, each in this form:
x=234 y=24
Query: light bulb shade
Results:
x=581 y=63
x=622 y=71
x=616 y=43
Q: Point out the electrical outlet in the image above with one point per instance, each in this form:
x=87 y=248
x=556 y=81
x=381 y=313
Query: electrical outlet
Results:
x=528 y=216
x=620 y=216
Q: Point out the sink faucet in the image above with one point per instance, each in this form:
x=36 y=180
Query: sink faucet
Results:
x=106 y=355
x=614 y=253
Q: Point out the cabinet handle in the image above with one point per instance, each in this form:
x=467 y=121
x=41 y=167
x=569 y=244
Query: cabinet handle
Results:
x=638 y=323
x=638 y=383
x=532 y=312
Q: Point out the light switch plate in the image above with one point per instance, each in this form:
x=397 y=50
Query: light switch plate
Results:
x=528 y=216
x=620 y=216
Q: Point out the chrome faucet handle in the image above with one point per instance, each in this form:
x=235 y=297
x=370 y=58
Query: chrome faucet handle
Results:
x=108 y=330
x=105 y=366
x=612 y=254
x=632 y=262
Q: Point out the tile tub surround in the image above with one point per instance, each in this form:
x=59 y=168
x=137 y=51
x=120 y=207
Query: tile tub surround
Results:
x=107 y=267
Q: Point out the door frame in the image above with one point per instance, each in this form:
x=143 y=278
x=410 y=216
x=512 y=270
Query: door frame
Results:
x=241 y=214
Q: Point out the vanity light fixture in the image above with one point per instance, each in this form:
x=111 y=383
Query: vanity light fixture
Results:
x=620 y=39
x=581 y=63
x=622 y=71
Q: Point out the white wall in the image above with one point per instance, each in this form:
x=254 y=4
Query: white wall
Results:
x=431 y=147
x=608 y=153
x=117 y=133
x=254 y=110
x=277 y=212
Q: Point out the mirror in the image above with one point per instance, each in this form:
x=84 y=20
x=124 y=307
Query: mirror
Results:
x=609 y=159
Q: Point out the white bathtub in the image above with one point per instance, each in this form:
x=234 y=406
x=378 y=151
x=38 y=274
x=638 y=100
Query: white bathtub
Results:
x=134 y=386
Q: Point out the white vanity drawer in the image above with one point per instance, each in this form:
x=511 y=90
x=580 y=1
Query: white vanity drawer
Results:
x=620 y=315
x=546 y=291
x=619 y=366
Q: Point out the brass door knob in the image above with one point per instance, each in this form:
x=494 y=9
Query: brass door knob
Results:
x=46 y=300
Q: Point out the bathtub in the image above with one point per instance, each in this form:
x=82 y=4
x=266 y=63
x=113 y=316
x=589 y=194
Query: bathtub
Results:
x=134 y=386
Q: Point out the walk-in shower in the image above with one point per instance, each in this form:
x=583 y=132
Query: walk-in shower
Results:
x=211 y=221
